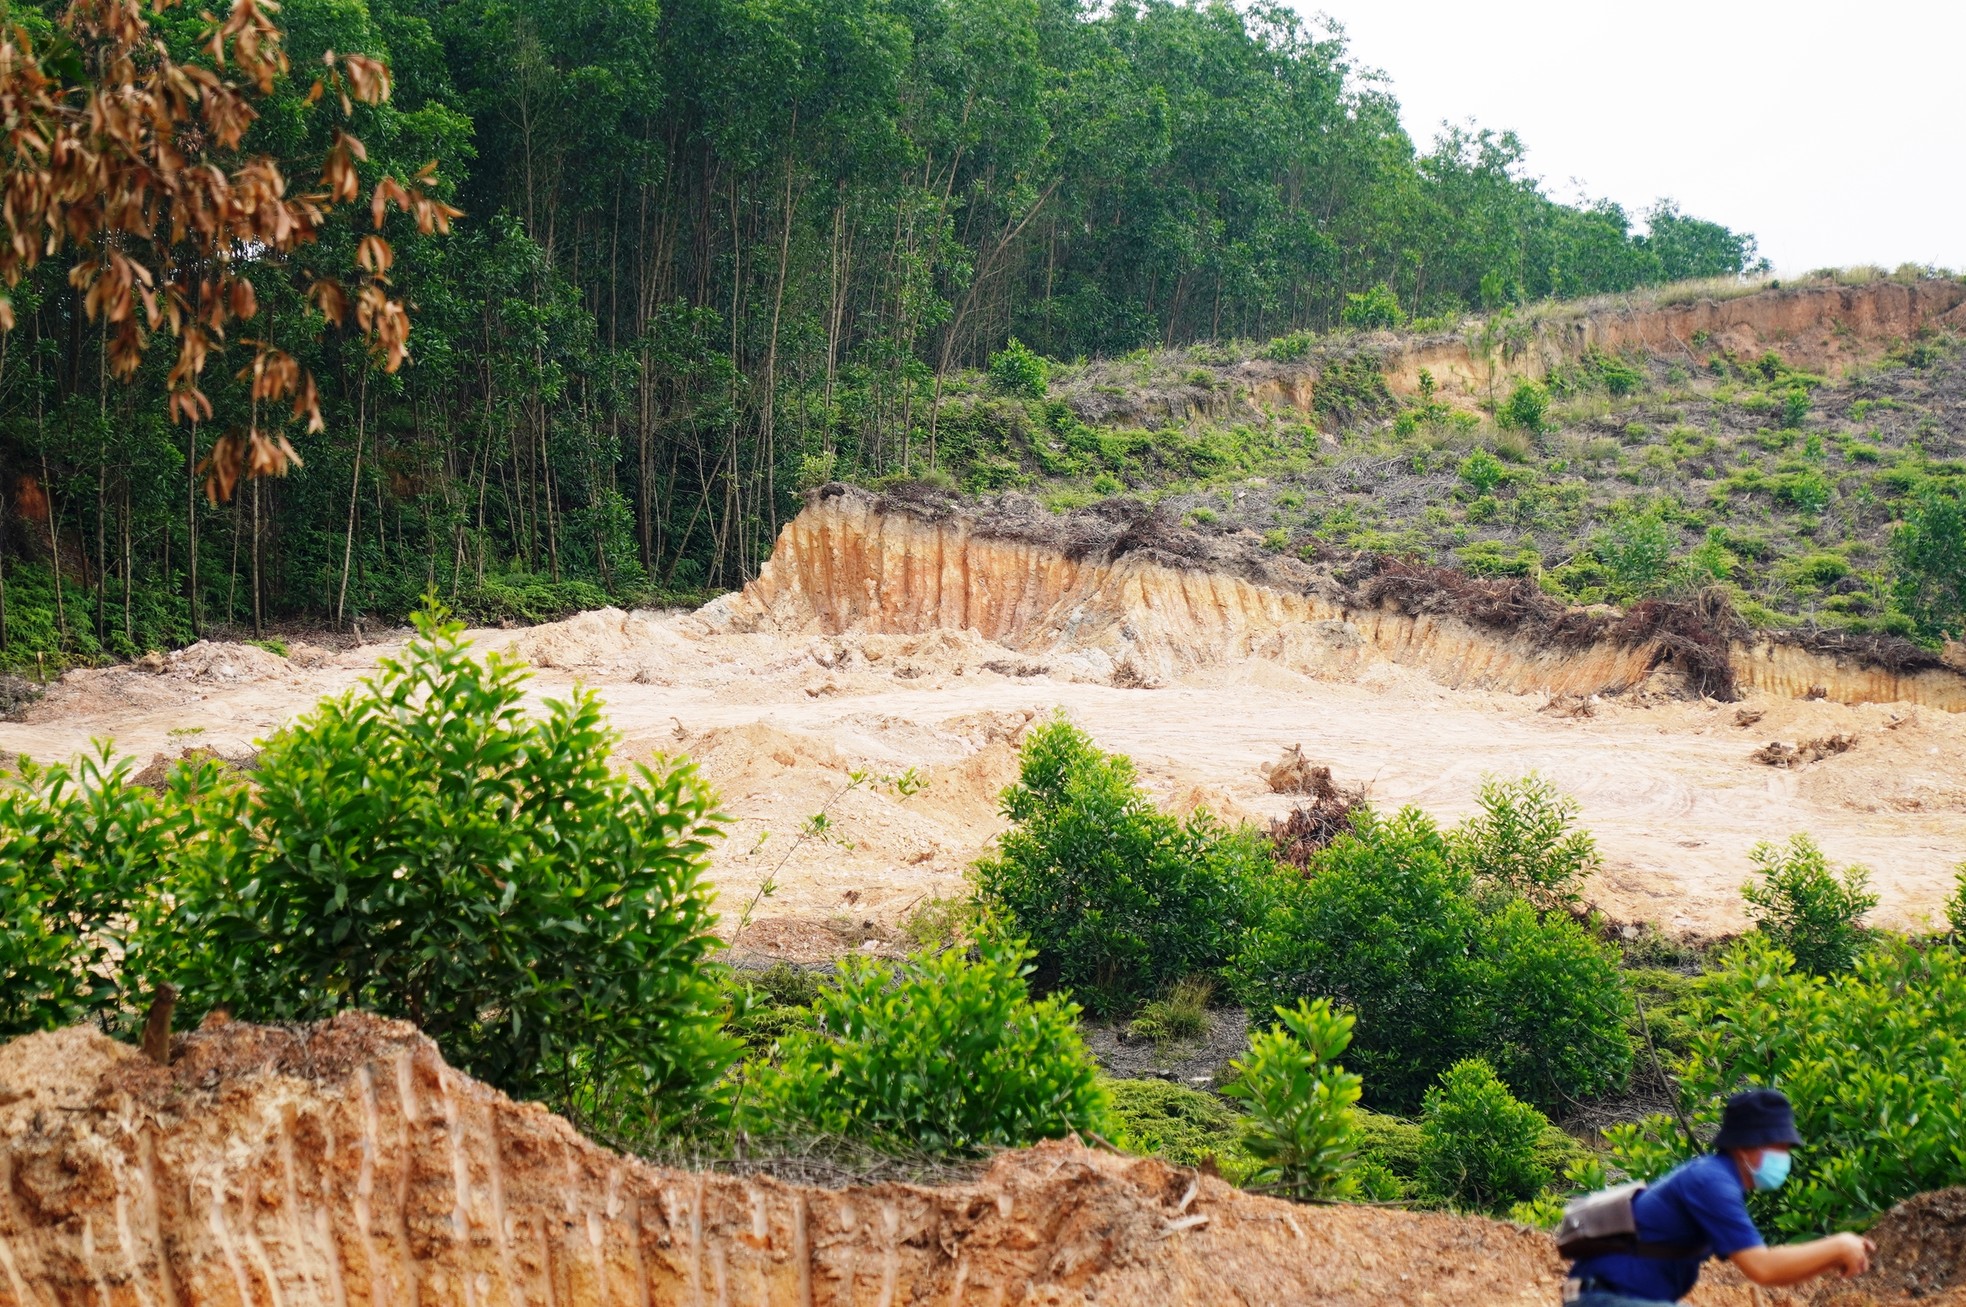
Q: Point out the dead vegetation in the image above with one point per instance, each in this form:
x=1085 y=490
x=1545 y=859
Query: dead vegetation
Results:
x=1776 y=754
x=1309 y=826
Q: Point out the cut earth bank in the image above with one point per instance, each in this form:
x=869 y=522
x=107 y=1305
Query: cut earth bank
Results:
x=345 y=1165
x=884 y=637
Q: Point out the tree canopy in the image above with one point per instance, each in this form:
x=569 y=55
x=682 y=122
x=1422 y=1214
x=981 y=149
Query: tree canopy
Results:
x=713 y=248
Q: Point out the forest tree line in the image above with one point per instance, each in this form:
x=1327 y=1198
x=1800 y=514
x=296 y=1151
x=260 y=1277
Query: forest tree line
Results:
x=713 y=245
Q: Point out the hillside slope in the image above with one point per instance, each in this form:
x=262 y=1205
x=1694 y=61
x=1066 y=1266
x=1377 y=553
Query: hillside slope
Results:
x=1760 y=439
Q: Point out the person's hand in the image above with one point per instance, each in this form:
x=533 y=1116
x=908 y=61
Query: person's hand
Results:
x=1853 y=1253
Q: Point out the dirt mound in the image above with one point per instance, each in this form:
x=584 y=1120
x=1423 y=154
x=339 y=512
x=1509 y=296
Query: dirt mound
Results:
x=216 y=662
x=603 y=637
x=1776 y=754
x=1921 y=1254
x=345 y=1165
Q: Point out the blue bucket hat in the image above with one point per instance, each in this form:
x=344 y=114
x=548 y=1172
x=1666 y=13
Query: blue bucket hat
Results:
x=1757 y=1118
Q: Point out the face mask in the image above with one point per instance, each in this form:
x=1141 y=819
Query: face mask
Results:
x=1771 y=1170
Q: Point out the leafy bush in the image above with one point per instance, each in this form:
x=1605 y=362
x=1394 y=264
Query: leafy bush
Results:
x=1527 y=409
x=1803 y=906
x=1016 y=369
x=423 y=847
x=1182 y=1125
x=1524 y=841
x=1929 y=551
x=81 y=848
x=1482 y=471
x=1118 y=898
x=1956 y=902
x=1478 y=1142
x=1390 y=924
x=1869 y=1057
x=943 y=1054
x=1303 y=1130
x=1372 y=310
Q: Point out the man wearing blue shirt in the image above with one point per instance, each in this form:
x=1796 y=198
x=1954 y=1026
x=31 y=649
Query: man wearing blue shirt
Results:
x=1699 y=1210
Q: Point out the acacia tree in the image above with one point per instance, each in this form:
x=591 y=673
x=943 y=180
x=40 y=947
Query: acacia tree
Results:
x=129 y=157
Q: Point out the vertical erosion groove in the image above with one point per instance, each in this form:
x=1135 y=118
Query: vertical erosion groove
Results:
x=844 y=566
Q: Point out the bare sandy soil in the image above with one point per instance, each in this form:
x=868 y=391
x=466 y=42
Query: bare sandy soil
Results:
x=1667 y=786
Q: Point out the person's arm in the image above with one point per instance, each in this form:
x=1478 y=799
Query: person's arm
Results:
x=1796 y=1262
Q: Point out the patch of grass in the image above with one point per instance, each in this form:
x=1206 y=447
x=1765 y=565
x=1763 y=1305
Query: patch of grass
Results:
x=1183 y=1014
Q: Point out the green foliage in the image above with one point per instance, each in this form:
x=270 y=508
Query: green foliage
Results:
x=1376 y=309
x=1017 y=370
x=1524 y=841
x=1349 y=389
x=1118 y=899
x=1636 y=551
x=1868 y=1057
x=1478 y=1142
x=1482 y=471
x=944 y=1054
x=81 y=851
x=1303 y=1130
x=1184 y=1126
x=1929 y=550
x=1183 y=1014
x=425 y=848
x=1389 y=922
x=1527 y=409
x=1956 y=902
x=1803 y=906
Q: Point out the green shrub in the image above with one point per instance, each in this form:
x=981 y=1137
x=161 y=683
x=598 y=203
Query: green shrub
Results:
x=1806 y=491
x=1956 y=902
x=1524 y=841
x=1392 y=1144
x=1389 y=923
x=1372 y=310
x=1803 y=906
x=1478 y=1142
x=1929 y=552
x=1527 y=409
x=1016 y=369
x=1118 y=898
x=1482 y=471
x=1493 y=558
x=1795 y=406
x=81 y=851
x=425 y=848
x=1303 y=1129
x=1636 y=551
x=1869 y=1057
x=942 y=1054
x=1182 y=1125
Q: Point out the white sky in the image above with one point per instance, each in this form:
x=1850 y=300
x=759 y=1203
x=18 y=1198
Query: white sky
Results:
x=1833 y=132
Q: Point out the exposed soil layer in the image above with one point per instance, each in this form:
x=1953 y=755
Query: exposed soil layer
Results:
x=344 y=1164
x=1125 y=593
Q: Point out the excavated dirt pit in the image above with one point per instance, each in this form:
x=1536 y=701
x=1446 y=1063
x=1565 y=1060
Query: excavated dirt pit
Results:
x=1669 y=786
x=889 y=635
